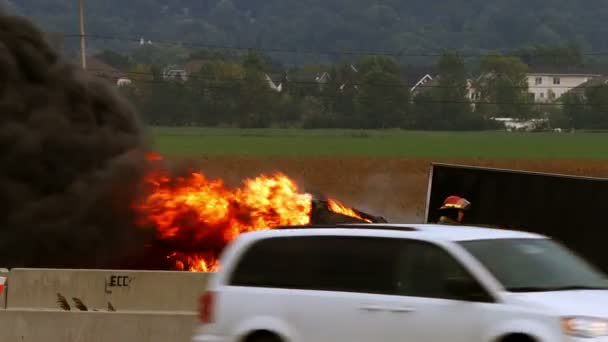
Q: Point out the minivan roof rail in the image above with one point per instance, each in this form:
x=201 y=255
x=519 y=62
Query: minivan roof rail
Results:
x=370 y=226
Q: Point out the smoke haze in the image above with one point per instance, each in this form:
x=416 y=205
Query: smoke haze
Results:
x=71 y=152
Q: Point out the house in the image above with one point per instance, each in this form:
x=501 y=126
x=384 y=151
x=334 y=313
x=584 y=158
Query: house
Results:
x=421 y=79
x=192 y=67
x=430 y=82
x=172 y=73
x=323 y=78
x=546 y=85
x=473 y=94
x=175 y=73
x=123 y=82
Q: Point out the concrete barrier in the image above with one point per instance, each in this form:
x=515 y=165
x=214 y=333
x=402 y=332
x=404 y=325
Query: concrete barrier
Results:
x=100 y=289
x=49 y=326
x=3 y=273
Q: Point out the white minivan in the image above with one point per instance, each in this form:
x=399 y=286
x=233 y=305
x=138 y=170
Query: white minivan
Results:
x=389 y=283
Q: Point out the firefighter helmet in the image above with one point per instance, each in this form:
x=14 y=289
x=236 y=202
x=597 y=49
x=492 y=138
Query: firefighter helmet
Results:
x=455 y=202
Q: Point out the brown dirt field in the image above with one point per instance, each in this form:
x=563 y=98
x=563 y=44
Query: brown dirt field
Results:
x=394 y=188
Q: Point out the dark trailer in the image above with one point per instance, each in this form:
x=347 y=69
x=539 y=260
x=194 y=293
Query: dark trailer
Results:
x=573 y=210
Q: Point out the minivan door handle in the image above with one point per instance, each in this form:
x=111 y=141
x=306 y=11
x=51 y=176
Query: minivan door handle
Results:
x=371 y=308
x=402 y=309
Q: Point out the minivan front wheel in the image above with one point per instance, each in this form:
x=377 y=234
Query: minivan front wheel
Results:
x=517 y=338
x=263 y=336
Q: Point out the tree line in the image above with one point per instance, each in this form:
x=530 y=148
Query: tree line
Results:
x=371 y=92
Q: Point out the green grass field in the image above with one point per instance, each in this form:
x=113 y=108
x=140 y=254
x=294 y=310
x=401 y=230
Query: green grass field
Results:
x=292 y=142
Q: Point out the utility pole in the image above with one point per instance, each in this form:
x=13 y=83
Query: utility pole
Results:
x=83 y=56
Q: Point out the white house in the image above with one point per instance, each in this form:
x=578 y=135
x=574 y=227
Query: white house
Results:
x=544 y=87
x=174 y=74
x=123 y=82
x=424 y=80
x=547 y=87
x=272 y=85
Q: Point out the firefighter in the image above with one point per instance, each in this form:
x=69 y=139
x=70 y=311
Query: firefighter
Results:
x=453 y=210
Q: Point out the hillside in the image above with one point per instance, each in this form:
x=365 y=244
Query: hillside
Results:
x=401 y=26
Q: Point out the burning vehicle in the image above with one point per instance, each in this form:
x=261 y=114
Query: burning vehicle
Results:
x=195 y=217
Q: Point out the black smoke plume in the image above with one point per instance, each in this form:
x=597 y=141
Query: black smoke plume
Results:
x=71 y=157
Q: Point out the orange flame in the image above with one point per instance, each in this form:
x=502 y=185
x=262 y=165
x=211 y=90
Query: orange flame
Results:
x=201 y=215
x=205 y=214
x=153 y=156
x=340 y=208
x=263 y=202
x=195 y=262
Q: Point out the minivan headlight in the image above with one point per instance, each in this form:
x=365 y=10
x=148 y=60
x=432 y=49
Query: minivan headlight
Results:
x=585 y=327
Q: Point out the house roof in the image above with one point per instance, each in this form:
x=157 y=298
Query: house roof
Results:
x=425 y=83
x=412 y=74
x=594 y=82
x=323 y=77
x=565 y=71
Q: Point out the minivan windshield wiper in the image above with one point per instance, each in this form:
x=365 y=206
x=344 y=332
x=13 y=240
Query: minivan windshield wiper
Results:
x=555 y=288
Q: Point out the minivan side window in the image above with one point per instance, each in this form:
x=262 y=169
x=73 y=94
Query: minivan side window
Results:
x=388 y=266
x=326 y=263
x=424 y=269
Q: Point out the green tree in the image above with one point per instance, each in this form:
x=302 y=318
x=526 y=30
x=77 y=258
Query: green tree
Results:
x=314 y=115
x=302 y=80
x=254 y=62
x=562 y=57
x=218 y=85
x=382 y=98
x=168 y=104
x=597 y=102
x=385 y=64
x=115 y=59
x=445 y=105
x=588 y=110
x=574 y=112
x=339 y=94
x=256 y=98
x=503 y=87
x=160 y=54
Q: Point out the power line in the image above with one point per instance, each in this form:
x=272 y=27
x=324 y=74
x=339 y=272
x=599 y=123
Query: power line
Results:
x=100 y=72
x=399 y=54
x=232 y=92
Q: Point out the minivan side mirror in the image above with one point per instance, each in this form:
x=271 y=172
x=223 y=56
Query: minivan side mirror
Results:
x=465 y=288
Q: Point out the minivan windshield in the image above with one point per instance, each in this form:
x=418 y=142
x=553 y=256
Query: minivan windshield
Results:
x=535 y=265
